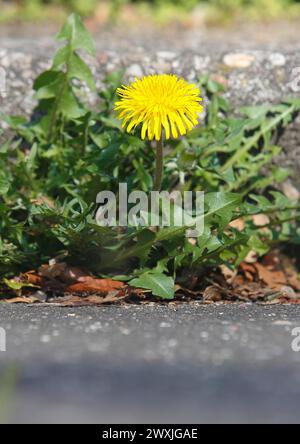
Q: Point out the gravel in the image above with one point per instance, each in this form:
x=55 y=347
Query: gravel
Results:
x=253 y=72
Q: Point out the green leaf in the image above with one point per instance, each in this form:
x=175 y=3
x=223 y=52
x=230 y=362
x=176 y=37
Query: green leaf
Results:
x=255 y=112
x=61 y=58
x=17 y=285
x=48 y=84
x=79 y=70
x=69 y=105
x=77 y=35
x=159 y=284
x=4 y=185
x=32 y=156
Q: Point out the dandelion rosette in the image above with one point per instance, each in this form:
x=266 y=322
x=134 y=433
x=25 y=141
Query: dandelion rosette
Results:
x=159 y=102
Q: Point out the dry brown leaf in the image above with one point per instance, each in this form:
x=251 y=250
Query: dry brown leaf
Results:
x=291 y=273
x=93 y=285
x=294 y=282
x=272 y=278
x=228 y=274
x=273 y=260
x=34 y=279
x=187 y=291
x=63 y=272
x=212 y=293
x=248 y=270
x=43 y=200
x=77 y=301
x=288 y=292
x=20 y=300
x=251 y=257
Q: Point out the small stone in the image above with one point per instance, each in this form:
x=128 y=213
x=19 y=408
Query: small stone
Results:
x=277 y=59
x=167 y=55
x=102 y=58
x=125 y=331
x=134 y=71
x=201 y=62
x=162 y=67
x=40 y=295
x=5 y=62
x=220 y=79
x=290 y=191
x=238 y=60
x=225 y=337
x=172 y=343
x=45 y=339
x=165 y=325
x=281 y=322
x=191 y=75
x=288 y=292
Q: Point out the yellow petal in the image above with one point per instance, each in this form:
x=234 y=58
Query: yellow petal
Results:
x=159 y=102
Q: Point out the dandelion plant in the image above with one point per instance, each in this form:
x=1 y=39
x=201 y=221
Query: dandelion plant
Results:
x=161 y=104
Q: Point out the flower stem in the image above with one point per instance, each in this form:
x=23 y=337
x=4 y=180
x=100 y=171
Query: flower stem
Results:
x=159 y=165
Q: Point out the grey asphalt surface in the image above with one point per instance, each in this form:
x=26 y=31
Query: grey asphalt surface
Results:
x=151 y=364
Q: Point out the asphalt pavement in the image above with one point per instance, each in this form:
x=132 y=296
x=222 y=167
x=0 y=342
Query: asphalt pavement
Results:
x=150 y=364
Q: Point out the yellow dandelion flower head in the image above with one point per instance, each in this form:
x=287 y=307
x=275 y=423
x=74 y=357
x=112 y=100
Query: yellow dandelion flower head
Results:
x=159 y=102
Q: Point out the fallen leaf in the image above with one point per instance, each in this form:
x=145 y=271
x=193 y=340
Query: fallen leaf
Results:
x=20 y=300
x=62 y=271
x=228 y=274
x=43 y=200
x=272 y=278
x=273 y=260
x=77 y=301
x=93 y=285
x=187 y=291
x=288 y=292
x=248 y=270
x=251 y=257
x=291 y=273
x=212 y=293
x=32 y=278
x=17 y=284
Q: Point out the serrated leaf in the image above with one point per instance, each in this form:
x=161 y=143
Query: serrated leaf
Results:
x=4 y=185
x=77 y=35
x=255 y=112
x=48 y=84
x=78 y=69
x=61 y=57
x=69 y=105
x=159 y=284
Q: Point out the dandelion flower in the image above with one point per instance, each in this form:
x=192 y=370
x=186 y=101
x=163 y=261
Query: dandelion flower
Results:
x=157 y=103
